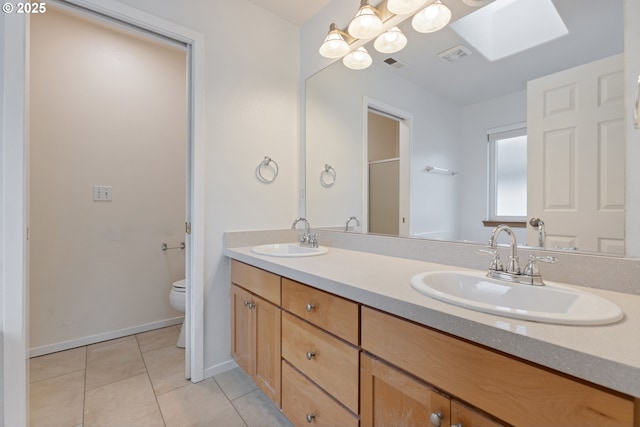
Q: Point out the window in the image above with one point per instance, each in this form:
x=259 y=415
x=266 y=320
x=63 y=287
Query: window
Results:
x=508 y=175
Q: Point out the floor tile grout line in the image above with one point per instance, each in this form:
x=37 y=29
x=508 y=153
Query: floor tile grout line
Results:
x=56 y=376
x=146 y=369
x=236 y=409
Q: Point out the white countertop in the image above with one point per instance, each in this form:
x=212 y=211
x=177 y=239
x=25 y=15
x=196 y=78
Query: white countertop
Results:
x=606 y=355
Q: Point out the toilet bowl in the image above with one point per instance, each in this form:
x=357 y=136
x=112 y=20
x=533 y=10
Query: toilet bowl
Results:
x=177 y=301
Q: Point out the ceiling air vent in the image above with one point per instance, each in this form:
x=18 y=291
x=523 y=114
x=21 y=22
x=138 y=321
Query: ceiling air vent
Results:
x=394 y=63
x=455 y=53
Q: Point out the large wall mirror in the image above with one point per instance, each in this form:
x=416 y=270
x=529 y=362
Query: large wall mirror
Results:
x=430 y=141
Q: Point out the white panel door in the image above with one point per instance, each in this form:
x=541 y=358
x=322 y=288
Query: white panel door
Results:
x=576 y=157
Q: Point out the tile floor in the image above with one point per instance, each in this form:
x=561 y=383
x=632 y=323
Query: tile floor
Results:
x=139 y=381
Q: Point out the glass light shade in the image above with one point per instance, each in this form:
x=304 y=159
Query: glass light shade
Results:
x=433 y=18
x=334 y=45
x=366 y=24
x=359 y=59
x=404 y=7
x=390 y=41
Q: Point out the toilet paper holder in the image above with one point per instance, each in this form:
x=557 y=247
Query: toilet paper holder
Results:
x=165 y=247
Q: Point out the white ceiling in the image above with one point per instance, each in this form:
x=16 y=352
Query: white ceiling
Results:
x=595 y=31
x=295 y=11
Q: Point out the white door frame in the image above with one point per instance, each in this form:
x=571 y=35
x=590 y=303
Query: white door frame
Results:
x=13 y=195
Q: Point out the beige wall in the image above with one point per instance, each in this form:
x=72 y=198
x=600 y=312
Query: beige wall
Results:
x=107 y=108
x=383 y=137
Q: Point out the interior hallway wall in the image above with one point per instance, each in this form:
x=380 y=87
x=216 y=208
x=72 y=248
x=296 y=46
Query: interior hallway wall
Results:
x=107 y=108
x=252 y=75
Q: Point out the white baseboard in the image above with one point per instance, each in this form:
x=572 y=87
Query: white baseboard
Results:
x=66 y=345
x=219 y=368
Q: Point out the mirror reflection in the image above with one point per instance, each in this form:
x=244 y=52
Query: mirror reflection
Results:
x=437 y=141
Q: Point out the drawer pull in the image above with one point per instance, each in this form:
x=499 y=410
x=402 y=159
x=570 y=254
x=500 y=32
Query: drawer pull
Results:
x=310 y=307
x=310 y=418
x=457 y=425
x=311 y=355
x=436 y=419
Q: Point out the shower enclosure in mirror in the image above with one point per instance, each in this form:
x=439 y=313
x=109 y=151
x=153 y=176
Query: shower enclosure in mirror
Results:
x=567 y=93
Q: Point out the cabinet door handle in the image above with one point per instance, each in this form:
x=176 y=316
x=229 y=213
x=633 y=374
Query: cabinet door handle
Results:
x=436 y=419
x=457 y=425
x=311 y=355
x=310 y=418
x=310 y=307
x=249 y=305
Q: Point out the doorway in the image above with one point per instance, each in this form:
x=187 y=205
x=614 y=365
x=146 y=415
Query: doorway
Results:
x=14 y=207
x=107 y=179
x=387 y=169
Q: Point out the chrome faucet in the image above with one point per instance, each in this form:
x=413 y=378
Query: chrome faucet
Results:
x=531 y=273
x=513 y=266
x=351 y=218
x=305 y=238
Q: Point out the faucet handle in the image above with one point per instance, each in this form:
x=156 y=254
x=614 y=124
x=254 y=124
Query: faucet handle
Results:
x=496 y=262
x=532 y=267
x=313 y=240
x=303 y=237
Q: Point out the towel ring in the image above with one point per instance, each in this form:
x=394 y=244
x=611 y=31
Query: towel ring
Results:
x=261 y=168
x=328 y=176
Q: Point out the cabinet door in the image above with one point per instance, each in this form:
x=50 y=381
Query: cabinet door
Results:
x=242 y=329
x=267 y=348
x=390 y=397
x=463 y=416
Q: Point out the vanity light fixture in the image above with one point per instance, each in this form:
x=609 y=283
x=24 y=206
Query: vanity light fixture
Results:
x=334 y=45
x=359 y=59
x=367 y=23
x=392 y=40
x=435 y=17
x=404 y=7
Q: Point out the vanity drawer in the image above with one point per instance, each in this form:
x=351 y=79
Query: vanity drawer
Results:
x=337 y=315
x=301 y=399
x=513 y=390
x=332 y=363
x=260 y=282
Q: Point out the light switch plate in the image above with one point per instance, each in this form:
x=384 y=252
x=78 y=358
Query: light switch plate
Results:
x=102 y=193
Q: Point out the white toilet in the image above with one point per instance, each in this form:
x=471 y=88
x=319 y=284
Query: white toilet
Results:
x=177 y=300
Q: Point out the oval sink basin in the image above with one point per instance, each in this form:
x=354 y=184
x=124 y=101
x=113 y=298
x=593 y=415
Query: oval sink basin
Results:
x=552 y=303
x=290 y=250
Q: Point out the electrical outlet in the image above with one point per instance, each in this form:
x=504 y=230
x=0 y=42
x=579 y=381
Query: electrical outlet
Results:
x=102 y=193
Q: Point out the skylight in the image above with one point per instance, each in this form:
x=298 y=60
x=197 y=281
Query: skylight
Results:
x=506 y=27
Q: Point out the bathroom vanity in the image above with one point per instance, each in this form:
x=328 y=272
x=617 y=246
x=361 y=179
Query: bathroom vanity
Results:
x=342 y=339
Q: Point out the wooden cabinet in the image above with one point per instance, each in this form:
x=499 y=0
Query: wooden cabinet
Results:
x=464 y=416
x=328 y=361
x=320 y=356
x=336 y=315
x=256 y=327
x=390 y=397
x=304 y=403
x=513 y=390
